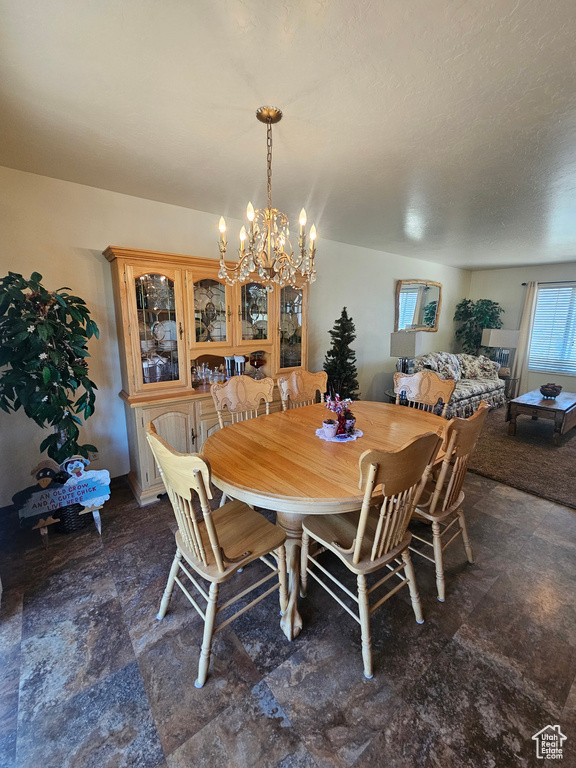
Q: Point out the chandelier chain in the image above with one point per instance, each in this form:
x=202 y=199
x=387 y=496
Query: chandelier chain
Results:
x=269 y=160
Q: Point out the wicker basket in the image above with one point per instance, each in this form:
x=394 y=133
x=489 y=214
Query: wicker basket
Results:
x=70 y=519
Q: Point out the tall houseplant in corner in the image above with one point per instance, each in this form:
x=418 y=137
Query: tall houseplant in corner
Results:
x=43 y=368
x=473 y=317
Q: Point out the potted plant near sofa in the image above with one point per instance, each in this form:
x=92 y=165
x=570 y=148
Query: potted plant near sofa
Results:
x=473 y=317
x=43 y=368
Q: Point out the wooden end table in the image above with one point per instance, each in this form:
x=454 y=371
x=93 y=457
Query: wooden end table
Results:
x=561 y=408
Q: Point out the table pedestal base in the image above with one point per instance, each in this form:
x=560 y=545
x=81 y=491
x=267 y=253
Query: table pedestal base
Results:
x=291 y=622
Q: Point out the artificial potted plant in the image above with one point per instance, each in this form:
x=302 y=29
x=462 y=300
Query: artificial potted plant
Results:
x=473 y=317
x=43 y=368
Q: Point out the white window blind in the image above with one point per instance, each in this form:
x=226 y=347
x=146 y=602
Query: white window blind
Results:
x=553 y=342
x=407 y=306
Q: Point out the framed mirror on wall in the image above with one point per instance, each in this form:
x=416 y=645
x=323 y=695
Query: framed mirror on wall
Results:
x=418 y=305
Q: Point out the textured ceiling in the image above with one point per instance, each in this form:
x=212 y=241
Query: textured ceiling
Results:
x=434 y=129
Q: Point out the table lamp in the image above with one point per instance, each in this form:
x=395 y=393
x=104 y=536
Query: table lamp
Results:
x=405 y=344
x=503 y=340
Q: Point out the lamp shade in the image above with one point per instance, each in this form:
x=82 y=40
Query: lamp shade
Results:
x=497 y=337
x=405 y=343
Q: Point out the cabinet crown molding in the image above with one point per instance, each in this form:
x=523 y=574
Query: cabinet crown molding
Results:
x=114 y=252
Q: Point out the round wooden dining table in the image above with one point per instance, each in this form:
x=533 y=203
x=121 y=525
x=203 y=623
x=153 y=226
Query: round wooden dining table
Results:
x=277 y=462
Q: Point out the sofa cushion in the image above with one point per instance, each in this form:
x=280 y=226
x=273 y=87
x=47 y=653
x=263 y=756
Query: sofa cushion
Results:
x=448 y=366
x=425 y=362
x=465 y=388
x=477 y=367
x=443 y=363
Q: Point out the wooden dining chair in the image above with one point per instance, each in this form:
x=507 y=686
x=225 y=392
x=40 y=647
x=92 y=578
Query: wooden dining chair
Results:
x=423 y=390
x=441 y=501
x=242 y=397
x=301 y=388
x=214 y=546
x=374 y=537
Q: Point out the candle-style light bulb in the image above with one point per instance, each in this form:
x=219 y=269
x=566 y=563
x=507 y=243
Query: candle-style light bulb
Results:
x=302 y=222
x=242 y=238
x=313 y=233
x=250 y=212
x=222 y=225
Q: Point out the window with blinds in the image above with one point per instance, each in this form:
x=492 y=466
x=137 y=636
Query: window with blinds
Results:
x=553 y=342
x=407 y=309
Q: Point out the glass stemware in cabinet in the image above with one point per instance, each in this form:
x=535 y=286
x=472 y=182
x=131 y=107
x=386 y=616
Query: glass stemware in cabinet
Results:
x=157 y=328
x=257 y=360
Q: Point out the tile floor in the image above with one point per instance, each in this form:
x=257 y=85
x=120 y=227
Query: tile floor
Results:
x=89 y=678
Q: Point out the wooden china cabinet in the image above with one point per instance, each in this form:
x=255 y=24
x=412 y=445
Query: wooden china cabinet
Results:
x=172 y=310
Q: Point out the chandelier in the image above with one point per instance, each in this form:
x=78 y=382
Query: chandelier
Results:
x=265 y=249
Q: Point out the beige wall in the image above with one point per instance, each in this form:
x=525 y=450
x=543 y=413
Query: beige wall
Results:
x=364 y=281
x=505 y=287
x=60 y=229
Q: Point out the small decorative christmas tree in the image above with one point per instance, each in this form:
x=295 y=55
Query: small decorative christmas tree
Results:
x=340 y=361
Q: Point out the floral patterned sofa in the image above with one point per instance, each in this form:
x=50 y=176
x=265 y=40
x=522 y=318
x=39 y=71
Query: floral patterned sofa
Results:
x=476 y=380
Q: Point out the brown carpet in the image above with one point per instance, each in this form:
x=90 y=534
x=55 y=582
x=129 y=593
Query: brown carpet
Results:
x=529 y=461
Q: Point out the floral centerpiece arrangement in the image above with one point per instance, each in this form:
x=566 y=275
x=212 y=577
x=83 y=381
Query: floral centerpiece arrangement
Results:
x=344 y=416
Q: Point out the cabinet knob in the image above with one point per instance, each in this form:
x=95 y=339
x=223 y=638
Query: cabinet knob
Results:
x=229 y=312
x=239 y=313
x=181 y=330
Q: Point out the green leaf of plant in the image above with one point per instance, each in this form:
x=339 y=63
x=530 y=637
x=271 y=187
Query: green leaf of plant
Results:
x=50 y=440
x=4 y=303
x=42 y=331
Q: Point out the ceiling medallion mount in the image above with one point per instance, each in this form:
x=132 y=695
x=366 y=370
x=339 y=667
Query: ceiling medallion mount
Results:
x=272 y=114
x=265 y=249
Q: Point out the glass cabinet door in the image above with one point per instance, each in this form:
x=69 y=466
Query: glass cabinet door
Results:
x=158 y=328
x=254 y=312
x=210 y=311
x=290 y=327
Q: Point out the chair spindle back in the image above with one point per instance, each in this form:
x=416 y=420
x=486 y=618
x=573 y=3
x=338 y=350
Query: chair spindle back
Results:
x=301 y=387
x=402 y=475
x=460 y=439
x=241 y=396
x=183 y=475
x=423 y=390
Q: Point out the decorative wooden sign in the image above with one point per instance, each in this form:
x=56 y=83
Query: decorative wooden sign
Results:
x=60 y=486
